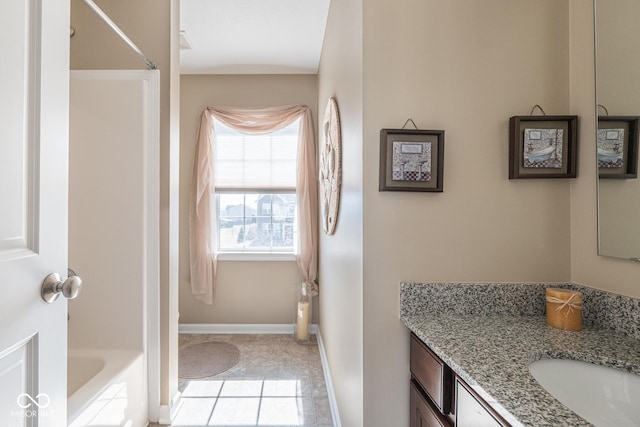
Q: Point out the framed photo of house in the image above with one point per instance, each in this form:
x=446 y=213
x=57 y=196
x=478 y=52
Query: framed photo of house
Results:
x=543 y=147
x=617 y=147
x=411 y=160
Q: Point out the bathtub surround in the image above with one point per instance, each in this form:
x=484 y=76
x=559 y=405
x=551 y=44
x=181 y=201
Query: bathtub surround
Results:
x=154 y=26
x=114 y=236
x=104 y=388
x=113 y=211
x=488 y=336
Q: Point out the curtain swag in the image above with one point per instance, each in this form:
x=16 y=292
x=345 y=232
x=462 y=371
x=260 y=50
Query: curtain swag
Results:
x=202 y=223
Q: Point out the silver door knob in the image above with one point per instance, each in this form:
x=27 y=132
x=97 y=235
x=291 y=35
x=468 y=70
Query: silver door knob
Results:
x=52 y=287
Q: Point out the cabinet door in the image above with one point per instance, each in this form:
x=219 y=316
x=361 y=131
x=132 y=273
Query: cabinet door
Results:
x=422 y=413
x=431 y=373
x=470 y=412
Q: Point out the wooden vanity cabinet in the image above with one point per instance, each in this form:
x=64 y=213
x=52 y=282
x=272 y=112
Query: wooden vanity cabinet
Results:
x=438 y=398
x=431 y=387
x=432 y=374
x=423 y=413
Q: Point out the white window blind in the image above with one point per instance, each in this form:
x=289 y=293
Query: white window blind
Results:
x=255 y=162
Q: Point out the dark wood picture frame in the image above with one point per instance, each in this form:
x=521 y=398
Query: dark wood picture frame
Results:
x=411 y=160
x=543 y=147
x=617 y=153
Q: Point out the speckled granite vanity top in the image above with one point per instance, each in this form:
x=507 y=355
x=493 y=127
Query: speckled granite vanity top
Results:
x=490 y=333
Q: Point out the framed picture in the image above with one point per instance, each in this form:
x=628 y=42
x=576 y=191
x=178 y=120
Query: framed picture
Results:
x=543 y=146
x=617 y=146
x=411 y=160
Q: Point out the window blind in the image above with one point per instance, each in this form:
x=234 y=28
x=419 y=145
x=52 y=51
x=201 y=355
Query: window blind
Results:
x=244 y=161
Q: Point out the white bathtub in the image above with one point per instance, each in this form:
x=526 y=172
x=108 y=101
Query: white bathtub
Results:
x=106 y=388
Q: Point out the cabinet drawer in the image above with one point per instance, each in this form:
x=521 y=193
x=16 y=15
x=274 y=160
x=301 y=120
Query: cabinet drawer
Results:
x=470 y=412
x=422 y=412
x=433 y=375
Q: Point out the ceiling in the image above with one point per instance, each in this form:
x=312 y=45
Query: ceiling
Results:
x=252 y=36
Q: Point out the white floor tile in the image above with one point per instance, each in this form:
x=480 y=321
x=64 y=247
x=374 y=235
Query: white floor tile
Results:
x=202 y=388
x=231 y=411
x=285 y=411
x=194 y=411
x=282 y=388
x=241 y=388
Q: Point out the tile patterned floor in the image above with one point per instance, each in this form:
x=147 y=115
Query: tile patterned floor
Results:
x=275 y=383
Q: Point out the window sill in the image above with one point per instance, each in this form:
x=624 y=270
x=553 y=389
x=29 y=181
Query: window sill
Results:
x=246 y=256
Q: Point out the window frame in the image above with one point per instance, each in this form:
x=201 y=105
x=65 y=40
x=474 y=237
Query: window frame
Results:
x=270 y=254
x=286 y=254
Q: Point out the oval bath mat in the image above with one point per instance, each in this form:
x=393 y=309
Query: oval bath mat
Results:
x=206 y=359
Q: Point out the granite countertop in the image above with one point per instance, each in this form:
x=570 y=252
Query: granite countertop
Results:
x=492 y=353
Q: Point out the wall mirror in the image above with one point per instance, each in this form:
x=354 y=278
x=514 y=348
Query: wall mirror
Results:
x=618 y=107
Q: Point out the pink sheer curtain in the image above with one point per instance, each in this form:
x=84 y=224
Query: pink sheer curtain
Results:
x=202 y=224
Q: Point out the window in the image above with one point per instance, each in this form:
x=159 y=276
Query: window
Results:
x=255 y=179
x=241 y=170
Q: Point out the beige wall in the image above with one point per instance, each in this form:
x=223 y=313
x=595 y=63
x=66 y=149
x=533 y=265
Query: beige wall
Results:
x=246 y=292
x=464 y=67
x=340 y=275
x=152 y=27
x=587 y=268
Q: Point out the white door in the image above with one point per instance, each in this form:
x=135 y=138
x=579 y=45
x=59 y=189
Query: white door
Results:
x=34 y=109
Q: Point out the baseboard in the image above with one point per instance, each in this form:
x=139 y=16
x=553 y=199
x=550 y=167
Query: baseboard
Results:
x=167 y=413
x=238 y=328
x=164 y=415
x=333 y=403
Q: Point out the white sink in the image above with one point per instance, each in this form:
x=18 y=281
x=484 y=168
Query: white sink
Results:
x=603 y=396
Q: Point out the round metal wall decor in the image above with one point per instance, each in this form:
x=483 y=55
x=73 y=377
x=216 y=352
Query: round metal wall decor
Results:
x=330 y=167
